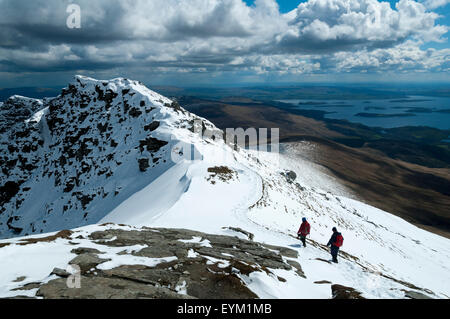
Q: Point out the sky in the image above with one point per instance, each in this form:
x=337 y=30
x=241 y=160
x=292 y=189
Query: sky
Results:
x=224 y=42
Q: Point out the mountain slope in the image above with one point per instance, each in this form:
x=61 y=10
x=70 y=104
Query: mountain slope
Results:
x=92 y=146
x=114 y=151
x=255 y=196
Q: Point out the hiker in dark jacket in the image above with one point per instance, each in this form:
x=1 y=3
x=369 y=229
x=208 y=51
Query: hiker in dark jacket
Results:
x=304 y=230
x=335 y=242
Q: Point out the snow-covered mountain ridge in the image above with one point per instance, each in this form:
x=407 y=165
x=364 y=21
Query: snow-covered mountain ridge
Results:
x=69 y=160
x=102 y=152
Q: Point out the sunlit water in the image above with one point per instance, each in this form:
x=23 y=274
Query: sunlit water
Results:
x=410 y=111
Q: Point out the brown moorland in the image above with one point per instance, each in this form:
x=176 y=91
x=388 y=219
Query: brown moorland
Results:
x=416 y=193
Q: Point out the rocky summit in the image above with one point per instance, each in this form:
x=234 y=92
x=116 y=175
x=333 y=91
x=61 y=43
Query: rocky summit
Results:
x=93 y=146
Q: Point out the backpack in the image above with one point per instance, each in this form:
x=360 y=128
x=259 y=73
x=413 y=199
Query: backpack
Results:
x=339 y=240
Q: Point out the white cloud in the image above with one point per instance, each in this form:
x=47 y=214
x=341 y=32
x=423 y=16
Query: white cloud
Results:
x=346 y=24
x=433 y=4
x=403 y=57
x=221 y=35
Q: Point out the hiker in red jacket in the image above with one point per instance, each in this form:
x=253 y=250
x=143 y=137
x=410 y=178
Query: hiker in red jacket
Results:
x=304 y=231
x=336 y=241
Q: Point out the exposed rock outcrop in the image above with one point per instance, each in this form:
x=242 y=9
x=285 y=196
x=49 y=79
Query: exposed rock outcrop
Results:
x=163 y=263
x=75 y=144
x=343 y=292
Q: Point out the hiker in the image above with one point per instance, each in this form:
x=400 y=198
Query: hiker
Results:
x=304 y=231
x=335 y=242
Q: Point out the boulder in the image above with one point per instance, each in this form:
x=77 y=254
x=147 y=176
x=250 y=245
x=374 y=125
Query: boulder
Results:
x=343 y=292
x=87 y=261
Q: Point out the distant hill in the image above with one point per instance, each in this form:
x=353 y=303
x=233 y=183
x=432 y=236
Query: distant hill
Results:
x=33 y=92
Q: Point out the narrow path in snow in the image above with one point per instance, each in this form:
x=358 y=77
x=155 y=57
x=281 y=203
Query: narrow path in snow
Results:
x=315 y=258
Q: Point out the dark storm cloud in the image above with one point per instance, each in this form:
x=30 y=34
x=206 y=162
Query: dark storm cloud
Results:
x=217 y=35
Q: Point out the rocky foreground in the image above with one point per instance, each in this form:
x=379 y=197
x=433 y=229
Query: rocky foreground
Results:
x=118 y=261
x=192 y=265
